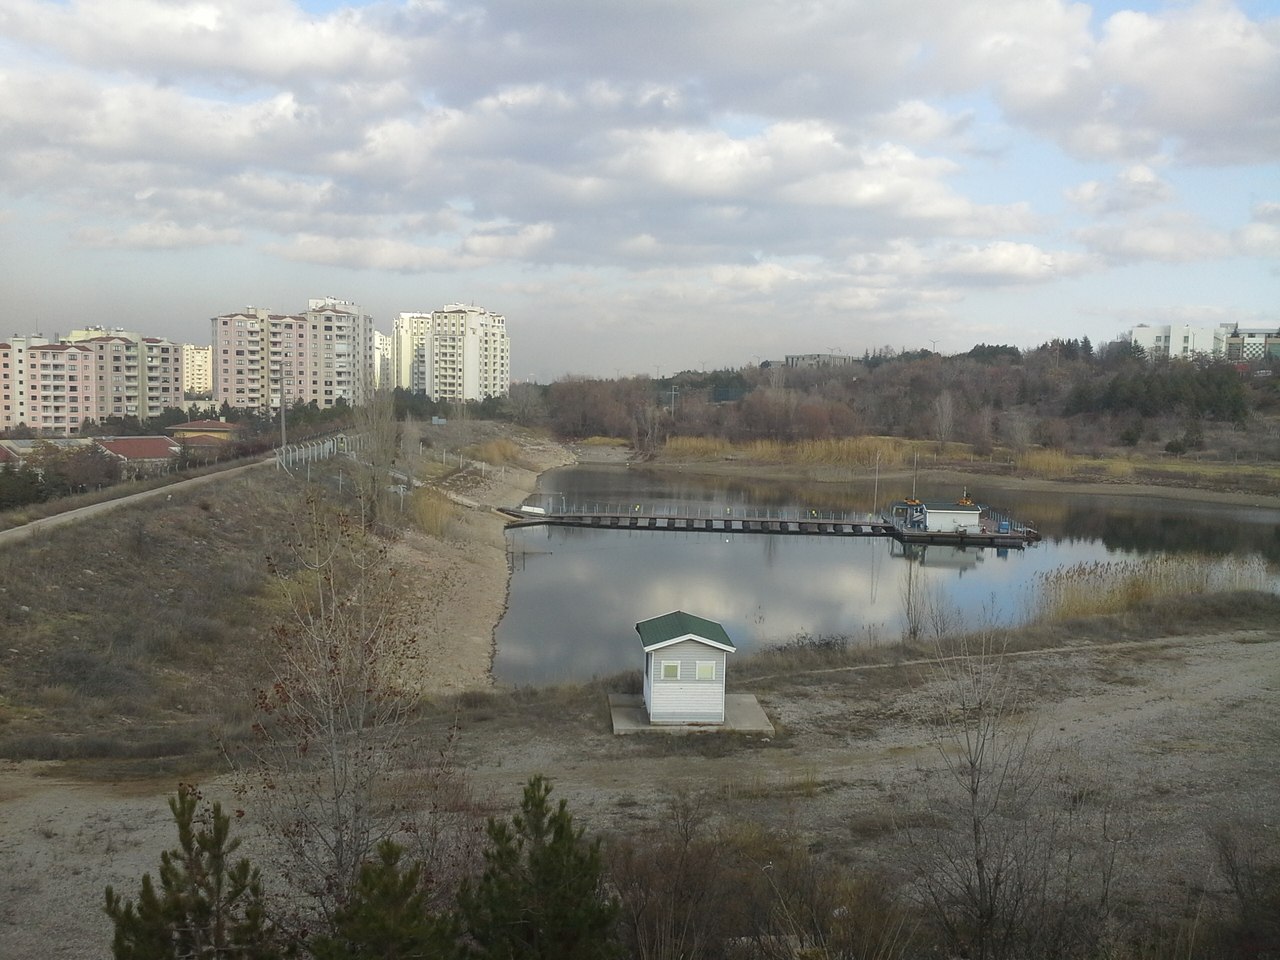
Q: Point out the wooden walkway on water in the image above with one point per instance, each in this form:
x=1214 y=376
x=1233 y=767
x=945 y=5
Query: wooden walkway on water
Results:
x=814 y=527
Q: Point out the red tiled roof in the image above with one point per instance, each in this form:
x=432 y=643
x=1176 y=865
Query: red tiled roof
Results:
x=204 y=440
x=217 y=426
x=6 y=455
x=140 y=448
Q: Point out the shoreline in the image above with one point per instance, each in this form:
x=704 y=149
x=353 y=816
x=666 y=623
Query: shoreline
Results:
x=475 y=565
x=773 y=472
x=465 y=576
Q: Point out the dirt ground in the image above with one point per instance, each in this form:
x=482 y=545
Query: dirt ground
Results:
x=1175 y=734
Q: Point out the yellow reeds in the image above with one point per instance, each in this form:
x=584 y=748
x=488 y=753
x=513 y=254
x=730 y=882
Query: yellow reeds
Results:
x=1119 y=469
x=1092 y=589
x=854 y=452
x=1046 y=463
x=496 y=452
x=431 y=512
x=697 y=448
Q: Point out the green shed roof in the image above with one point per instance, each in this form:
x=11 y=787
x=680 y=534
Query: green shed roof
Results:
x=677 y=624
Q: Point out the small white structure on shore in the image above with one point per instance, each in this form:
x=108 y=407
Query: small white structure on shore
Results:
x=684 y=668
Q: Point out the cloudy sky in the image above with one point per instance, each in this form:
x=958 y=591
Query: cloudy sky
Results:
x=645 y=185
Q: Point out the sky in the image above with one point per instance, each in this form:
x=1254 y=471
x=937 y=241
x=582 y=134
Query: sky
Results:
x=646 y=186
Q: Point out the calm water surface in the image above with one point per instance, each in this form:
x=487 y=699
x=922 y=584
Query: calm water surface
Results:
x=577 y=594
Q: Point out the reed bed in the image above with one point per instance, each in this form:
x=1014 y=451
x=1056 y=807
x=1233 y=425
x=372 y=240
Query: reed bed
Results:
x=432 y=512
x=861 y=452
x=1119 y=469
x=1091 y=589
x=697 y=448
x=495 y=452
x=1049 y=464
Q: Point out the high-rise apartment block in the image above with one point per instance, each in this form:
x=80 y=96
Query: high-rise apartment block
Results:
x=13 y=380
x=197 y=370
x=91 y=375
x=457 y=353
x=261 y=359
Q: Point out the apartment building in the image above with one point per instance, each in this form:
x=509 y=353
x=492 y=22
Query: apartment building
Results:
x=13 y=379
x=197 y=370
x=261 y=359
x=54 y=387
x=457 y=353
x=96 y=379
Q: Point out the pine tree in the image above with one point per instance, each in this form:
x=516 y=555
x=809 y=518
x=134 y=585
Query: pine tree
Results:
x=388 y=917
x=206 y=907
x=541 y=894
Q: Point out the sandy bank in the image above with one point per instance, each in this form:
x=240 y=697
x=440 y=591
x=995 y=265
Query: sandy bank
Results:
x=464 y=576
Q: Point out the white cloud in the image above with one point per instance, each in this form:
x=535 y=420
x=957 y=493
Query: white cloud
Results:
x=397 y=256
x=1009 y=263
x=507 y=244
x=253 y=41
x=1133 y=188
x=919 y=122
x=1259 y=240
x=161 y=235
x=1169 y=239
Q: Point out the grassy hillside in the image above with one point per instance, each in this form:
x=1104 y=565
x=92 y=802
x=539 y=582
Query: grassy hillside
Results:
x=131 y=636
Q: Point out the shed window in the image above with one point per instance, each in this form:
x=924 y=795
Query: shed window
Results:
x=670 y=669
x=706 y=670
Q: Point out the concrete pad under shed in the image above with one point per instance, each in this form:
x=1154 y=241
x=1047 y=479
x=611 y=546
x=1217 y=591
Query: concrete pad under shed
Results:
x=742 y=714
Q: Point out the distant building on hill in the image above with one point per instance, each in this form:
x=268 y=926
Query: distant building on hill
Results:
x=1223 y=341
x=813 y=361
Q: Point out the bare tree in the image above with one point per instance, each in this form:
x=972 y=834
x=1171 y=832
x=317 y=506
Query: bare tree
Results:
x=1023 y=858
x=334 y=762
x=382 y=463
x=944 y=416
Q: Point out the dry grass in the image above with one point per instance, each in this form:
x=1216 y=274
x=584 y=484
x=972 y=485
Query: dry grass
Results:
x=51 y=508
x=1120 y=469
x=862 y=453
x=1097 y=588
x=497 y=452
x=1050 y=464
x=431 y=512
x=133 y=635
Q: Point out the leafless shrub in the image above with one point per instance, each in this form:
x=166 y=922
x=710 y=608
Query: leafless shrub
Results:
x=1024 y=862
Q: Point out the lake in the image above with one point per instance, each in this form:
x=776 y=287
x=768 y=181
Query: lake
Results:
x=576 y=594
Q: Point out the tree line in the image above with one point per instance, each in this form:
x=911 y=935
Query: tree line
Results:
x=1063 y=394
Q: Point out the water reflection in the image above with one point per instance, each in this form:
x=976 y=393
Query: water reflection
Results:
x=576 y=594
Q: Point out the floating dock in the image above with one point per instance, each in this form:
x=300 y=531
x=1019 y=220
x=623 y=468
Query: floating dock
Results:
x=980 y=536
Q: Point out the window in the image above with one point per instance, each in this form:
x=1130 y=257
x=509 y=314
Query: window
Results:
x=706 y=670
x=670 y=669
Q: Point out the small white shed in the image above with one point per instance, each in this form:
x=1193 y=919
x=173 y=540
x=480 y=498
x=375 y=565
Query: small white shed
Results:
x=684 y=668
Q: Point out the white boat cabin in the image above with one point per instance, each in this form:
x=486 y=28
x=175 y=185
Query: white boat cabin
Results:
x=684 y=668
x=959 y=516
